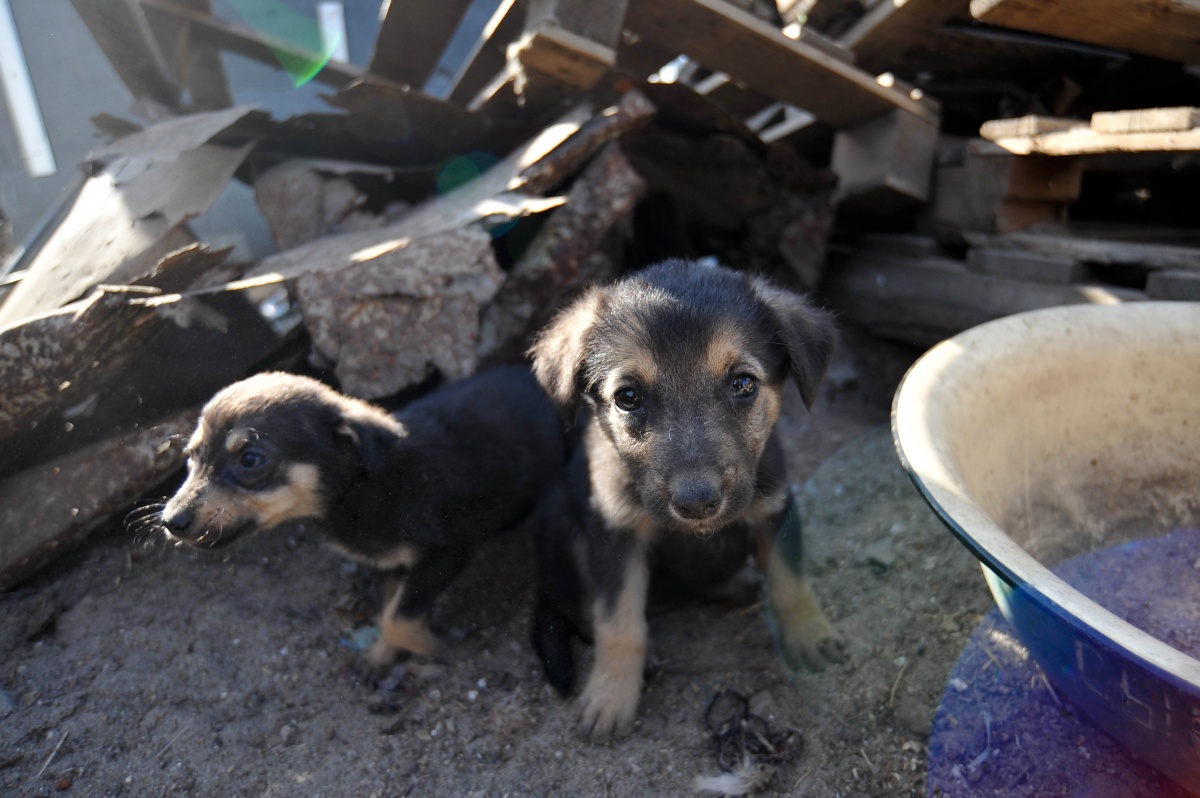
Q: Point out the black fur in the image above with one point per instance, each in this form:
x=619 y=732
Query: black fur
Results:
x=469 y=460
x=674 y=375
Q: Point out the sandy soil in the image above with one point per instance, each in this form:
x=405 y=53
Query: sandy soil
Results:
x=136 y=668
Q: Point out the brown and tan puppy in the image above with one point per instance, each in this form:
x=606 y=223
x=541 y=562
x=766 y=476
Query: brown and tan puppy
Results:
x=678 y=373
x=410 y=494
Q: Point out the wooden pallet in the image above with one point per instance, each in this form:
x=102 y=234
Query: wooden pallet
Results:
x=1169 y=30
x=1136 y=131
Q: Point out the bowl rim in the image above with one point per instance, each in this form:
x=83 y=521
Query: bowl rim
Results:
x=990 y=544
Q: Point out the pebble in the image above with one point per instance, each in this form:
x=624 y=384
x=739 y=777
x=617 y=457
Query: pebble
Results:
x=881 y=554
x=763 y=704
x=914 y=716
x=8 y=703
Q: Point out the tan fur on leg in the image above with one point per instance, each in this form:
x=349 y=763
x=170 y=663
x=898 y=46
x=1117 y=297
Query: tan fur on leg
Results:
x=609 y=701
x=806 y=635
x=399 y=634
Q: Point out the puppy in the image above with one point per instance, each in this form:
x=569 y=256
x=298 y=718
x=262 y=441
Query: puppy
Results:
x=409 y=494
x=678 y=373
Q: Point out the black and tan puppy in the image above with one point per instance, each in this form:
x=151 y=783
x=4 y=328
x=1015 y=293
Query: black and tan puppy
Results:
x=410 y=494
x=678 y=372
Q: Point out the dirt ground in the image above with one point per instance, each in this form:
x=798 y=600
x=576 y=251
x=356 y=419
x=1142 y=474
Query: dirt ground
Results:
x=136 y=668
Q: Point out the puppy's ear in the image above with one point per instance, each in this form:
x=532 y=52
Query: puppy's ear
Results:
x=560 y=349
x=807 y=332
x=369 y=437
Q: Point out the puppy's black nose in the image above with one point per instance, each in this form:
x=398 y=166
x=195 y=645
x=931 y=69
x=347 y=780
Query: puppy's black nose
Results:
x=696 y=500
x=176 y=519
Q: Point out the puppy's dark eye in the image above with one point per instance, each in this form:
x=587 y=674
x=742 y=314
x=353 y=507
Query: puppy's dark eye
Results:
x=628 y=399
x=744 y=386
x=252 y=459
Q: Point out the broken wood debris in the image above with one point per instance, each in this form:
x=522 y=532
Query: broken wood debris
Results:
x=46 y=510
x=434 y=213
x=1163 y=30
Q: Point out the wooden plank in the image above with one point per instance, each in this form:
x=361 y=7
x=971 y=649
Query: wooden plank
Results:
x=142 y=189
x=1085 y=141
x=1165 y=29
x=991 y=190
x=1099 y=251
x=413 y=34
x=1145 y=120
x=924 y=301
x=120 y=28
x=53 y=361
x=1174 y=284
x=1026 y=126
x=599 y=21
x=891 y=29
x=51 y=508
x=489 y=59
x=255 y=46
x=197 y=64
x=1025 y=265
x=566 y=47
x=725 y=38
x=885 y=163
x=573 y=60
x=562 y=257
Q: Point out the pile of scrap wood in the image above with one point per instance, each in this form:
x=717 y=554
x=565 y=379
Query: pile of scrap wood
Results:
x=422 y=237
x=1063 y=171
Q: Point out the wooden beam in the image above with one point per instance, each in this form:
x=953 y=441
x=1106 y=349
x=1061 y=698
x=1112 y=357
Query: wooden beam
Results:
x=1164 y=29
x=1145 y=120
x=884 y=164
x=197 y=64
x=488 y=59
x=1026 y=126
x=565 y=48
x=1085 y=141
x=1097 y=251
x=924 y=301
x=600 y=21
x=1025 y=265
x=1180 y=285
x=255 y=46
x=723 y=37
x=412 y=37
x=120 y=28
x=891 y=29
x=575 y=61
x=52 y=507
x=991 y=190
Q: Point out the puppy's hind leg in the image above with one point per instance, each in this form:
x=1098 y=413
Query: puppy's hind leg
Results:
x=404 y=623
x=806 y=636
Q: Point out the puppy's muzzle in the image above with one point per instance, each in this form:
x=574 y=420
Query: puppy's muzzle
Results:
x=177 y=519
x=696 y=499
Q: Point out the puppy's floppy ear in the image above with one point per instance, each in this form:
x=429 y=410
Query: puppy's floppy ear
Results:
x=807 y=333
x=560 y=349
x=371 y=438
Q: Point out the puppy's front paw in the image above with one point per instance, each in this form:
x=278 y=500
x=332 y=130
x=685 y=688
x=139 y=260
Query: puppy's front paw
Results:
x=608 y=705
x=811 y=642
x=806 y=636
x=399 y=634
